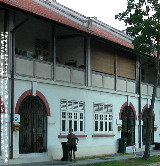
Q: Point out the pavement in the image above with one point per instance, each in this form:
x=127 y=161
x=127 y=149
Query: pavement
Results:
x=94 y=161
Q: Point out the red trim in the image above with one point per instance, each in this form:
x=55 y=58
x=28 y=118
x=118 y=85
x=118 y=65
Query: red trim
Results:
x=62 y=136
x=103 y=135
x=146 y=107
x=81 y=135
x=131 y=105
x=2 y=105
x=36 y=8
x=120 y=113
x=21 y=98
x=29 y=93
x=123 y=106
x=39 y=94
x=65 y=136
x=101 y=33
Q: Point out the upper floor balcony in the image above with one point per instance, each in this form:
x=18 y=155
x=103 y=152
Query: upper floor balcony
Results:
x=34 y=68
x=53 y=52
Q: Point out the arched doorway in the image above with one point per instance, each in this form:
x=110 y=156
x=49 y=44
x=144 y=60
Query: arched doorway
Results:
x=33 y=130
x=145 y=118
x=128 y=125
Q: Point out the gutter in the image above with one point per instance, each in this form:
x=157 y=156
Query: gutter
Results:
x=12 y=80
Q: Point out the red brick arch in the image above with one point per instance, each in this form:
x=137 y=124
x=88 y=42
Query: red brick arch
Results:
x=145 y=107
x=2 y=105
x=123 y=106
x=29 y=93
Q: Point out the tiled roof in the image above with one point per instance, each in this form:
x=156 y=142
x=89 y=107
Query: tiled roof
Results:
x=61 y=14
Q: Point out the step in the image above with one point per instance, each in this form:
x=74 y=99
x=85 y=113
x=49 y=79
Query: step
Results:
x=28 y=158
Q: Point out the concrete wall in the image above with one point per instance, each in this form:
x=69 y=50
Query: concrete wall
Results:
x=54 y=92
x=87 y=145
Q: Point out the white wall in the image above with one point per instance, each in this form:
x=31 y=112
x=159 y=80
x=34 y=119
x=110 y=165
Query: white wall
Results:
x=73 y=48
x=87 y=145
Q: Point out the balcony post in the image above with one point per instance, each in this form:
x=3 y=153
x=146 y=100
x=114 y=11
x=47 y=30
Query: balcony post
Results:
x=88 y=61
x=53 y=58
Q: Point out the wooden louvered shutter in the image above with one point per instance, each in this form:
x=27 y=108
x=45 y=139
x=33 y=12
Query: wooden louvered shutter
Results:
x=126 y=65
x=102 y=59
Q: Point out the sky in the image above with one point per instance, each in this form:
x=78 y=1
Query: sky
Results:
x=104 y=10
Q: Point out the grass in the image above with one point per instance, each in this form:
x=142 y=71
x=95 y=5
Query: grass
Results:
x=130 y=162
x=101 y=156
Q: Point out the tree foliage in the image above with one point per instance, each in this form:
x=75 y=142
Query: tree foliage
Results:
x=142 y=18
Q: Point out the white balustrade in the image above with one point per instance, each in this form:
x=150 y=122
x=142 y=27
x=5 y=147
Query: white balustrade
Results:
x=44 y=70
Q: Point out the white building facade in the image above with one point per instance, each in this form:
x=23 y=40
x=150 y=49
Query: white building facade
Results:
x=64 y=71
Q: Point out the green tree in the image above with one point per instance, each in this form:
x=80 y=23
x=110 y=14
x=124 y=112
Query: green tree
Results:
x=142 y=18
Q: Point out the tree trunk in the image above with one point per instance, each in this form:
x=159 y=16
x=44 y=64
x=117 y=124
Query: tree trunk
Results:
x=149 y=123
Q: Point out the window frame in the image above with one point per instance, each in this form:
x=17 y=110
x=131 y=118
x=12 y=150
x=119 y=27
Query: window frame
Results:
x=72 y=116
x=103 y=118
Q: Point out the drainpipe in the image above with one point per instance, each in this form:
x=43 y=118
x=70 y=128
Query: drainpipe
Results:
x=12 y=80
x=140 y=96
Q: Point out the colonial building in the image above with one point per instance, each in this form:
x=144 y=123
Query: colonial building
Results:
x=61 y=70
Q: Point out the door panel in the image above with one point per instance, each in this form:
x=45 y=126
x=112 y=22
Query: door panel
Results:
x=128 y=125
x=33 y=125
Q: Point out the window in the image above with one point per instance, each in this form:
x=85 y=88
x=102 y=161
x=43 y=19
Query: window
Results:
x=72 y=116
x=126 y=65
x=42 y=49
x=103 y=118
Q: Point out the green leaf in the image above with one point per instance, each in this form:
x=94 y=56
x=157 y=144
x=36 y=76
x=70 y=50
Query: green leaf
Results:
x=143 y=24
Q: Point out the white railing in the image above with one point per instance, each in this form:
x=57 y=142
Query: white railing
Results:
x=126 y=85
x=102 y=80
x=33 y=67
x=147 y=89
x=70 y=74
x=108 y=81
